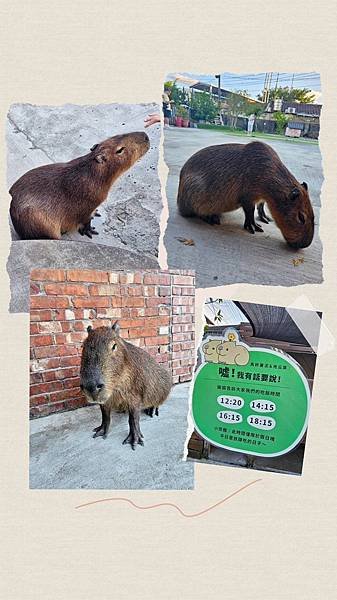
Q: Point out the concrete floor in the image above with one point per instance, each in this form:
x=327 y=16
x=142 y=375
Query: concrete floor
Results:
x=63 y=454
x=226 y=253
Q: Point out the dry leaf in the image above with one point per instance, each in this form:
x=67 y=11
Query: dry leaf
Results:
x=186 y=242
x=298 y=261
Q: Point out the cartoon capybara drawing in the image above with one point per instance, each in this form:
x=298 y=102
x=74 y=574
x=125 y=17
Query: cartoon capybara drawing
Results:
x=210 y=350
x=232 y=353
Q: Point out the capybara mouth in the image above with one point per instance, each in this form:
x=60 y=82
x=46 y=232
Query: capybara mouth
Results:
x=301 y=244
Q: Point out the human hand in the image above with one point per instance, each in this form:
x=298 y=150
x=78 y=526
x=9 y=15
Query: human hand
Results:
x=151 y=120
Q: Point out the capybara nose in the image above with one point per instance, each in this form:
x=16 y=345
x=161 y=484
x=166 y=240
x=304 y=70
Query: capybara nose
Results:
x=93 y=387
x=145 y=136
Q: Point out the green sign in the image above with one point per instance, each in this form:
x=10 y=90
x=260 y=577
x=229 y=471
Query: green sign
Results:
x=249 y=400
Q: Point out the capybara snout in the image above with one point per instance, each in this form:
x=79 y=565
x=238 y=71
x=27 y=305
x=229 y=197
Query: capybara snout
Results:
x=297 y=220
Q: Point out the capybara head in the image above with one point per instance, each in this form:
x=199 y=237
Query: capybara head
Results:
x=120 y=151
x=102 y=362
x=210 y=350
x=295 y=217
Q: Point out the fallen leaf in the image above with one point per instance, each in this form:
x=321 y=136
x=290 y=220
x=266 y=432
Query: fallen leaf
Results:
x=186 y=242
x=298 y=261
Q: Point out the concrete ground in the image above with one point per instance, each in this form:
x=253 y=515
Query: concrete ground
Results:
x=129 y=223
x=226 y=253
x=64 y=455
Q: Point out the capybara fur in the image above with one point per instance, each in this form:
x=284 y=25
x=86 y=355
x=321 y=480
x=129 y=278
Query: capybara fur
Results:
x=62 y=197
x=226 y=177
x=120 y=376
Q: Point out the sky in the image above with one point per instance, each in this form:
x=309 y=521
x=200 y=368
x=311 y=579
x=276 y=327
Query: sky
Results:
x=253 y=82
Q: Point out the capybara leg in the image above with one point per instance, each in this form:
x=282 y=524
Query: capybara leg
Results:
x=87 y=229
x=152 y=411
x=135 y=435
x=211 y=219
x=249 y=223
x=262 y=215
x=103 y=429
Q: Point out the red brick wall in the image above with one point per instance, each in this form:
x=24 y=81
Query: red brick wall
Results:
x=155 y=310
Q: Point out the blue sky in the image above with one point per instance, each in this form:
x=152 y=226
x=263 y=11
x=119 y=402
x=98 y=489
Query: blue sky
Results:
x=253 y=82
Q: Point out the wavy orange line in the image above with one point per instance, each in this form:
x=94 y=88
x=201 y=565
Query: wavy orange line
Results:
x=171 y=504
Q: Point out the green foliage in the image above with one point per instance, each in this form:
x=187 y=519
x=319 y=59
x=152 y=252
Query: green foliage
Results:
x=182 y=111
x=281 y=121
x=177 y=95
x=238 y=104
x=203 y=106
x=291 y=95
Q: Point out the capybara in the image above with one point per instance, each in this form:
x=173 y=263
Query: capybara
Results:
x=226 y=177
x=54 y=199
x=232 y=353
x=119 y=376
x=209 y=349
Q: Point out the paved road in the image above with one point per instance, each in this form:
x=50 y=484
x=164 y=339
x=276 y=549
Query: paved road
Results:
x=63 y=454
x=226 y=253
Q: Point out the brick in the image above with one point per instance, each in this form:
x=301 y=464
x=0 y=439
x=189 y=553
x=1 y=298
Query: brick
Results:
x=149 y=290
x=151 y=302
x=164 y=330
x=45 y=388
x=35 y=377
x=164 y=291
x=153 y=341
x=34 y=328
x=183 y=280
x=41 y=315
x=41 y=340
x=49 y=302
x=67 y=325
x=104 y=290
x=113 y=277
x=144 y=332
x=72 y=383
x=126 y=278
x=157 y=279
x=131 y=323
x=133 y=301
x=64 y=394
x=49 y=327
x=34 y=288
x=66 y=289
x=91 y=302
x=48 y=275
x=113 y=313
x=69 y=361
x=138 y=277
x=87 y=276
x=182 y=300
x=37 y=400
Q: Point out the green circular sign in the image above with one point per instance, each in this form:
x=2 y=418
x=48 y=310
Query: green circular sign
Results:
x=260 y=407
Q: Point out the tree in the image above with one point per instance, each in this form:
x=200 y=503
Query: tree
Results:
x=203 y=106
x=238 y=105
x=177 y=95
x=281 y=121
x=291 y=95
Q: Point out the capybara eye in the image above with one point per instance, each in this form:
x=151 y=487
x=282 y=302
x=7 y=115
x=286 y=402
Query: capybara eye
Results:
x=113 y=347
x=301 y=218
x=120 y=150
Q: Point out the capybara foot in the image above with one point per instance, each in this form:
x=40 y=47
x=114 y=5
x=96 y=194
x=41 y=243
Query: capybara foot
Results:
x=152 y=411
x=211 y=219
x=252 y=226
x=133 y=439
x=97 y=214
x=99 y=432
x=262 y=215
x=88 y=230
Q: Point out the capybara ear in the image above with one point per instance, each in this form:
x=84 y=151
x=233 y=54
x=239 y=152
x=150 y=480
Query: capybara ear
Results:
x=294 y=194
x=89 y=328
x=305 y=185
x=115 y=327
x=93 y=147
x=100 y=158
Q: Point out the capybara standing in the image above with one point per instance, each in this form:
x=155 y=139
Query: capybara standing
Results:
x=54 y=199
x=119 y=376
x=226 y=177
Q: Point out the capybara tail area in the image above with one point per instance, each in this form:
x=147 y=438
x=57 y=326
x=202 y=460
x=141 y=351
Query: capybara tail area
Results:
x=30 y=224
x=184 y=204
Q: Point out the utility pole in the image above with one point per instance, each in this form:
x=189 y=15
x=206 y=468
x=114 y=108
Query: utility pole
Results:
x=292 y=82
x=267 y=85
x=218 y=77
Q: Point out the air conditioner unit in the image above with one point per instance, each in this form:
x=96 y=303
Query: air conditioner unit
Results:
x=291 y=110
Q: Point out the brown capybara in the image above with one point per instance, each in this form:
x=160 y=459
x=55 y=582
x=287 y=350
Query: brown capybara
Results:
x=54 y=199
x=226 y=177
x=119 y=376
